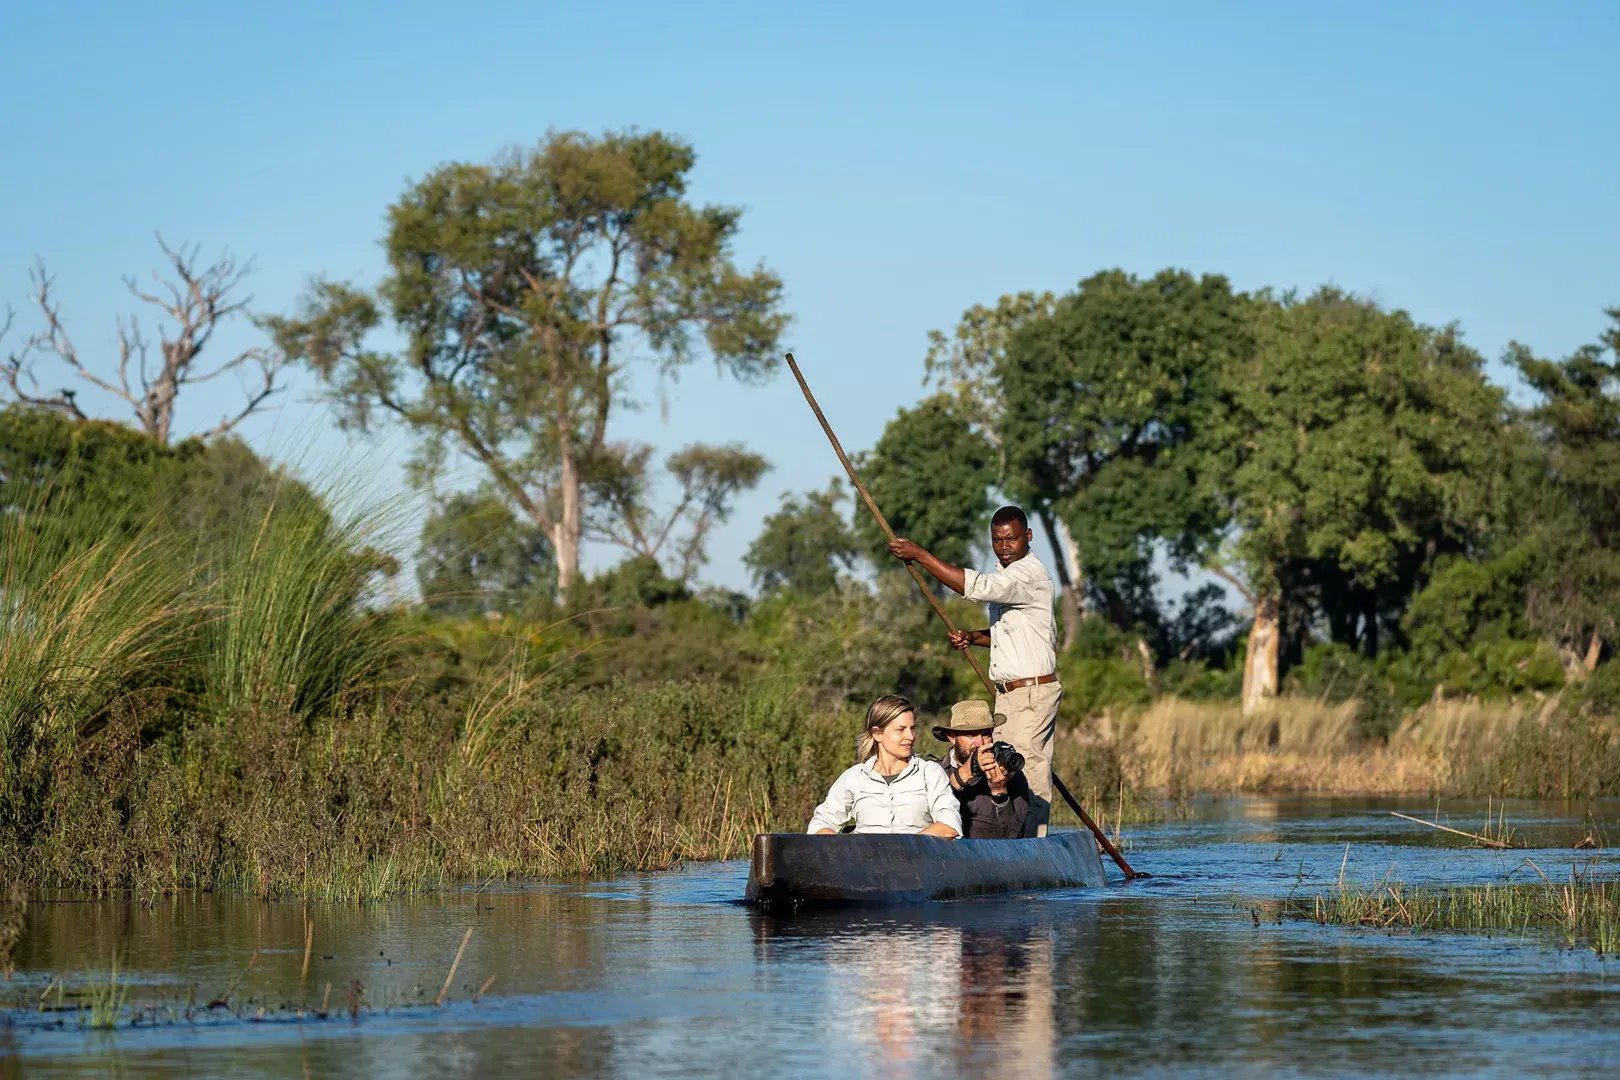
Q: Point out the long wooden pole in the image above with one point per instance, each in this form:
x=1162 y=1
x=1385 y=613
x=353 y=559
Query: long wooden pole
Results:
x=944 y=616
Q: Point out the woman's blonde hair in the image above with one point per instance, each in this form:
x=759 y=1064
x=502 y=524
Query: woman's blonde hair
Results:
x=879 y=715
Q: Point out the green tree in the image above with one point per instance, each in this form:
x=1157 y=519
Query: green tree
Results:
x=477 y=556
x=1102 y=400
x=84 y=479
x=524 y=288
x=1575 y=596
x=930 y=473
x=1467 y=630
x=1364 y=445
x=804 y=545
x=708 y=479
x=964 y=366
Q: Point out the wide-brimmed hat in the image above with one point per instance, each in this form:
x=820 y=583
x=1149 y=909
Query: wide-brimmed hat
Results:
x=968 y=718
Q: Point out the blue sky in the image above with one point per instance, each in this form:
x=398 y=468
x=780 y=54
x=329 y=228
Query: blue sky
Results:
x=898 y=163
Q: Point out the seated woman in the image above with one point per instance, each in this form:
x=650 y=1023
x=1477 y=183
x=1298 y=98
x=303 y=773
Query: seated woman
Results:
x=889 y=790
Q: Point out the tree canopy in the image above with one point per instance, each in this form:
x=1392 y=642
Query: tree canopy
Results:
x=804 y=545
x=525 y=287
x=930 y=474
x=1576 y=595
x=476 y=556
x=1365 y=445
x=1103 y=399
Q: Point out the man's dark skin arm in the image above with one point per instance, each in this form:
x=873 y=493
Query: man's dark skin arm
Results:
x=965 y=639
x=947 y=575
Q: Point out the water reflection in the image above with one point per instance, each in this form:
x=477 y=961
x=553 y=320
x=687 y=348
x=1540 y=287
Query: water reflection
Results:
x=664 y=975
x=952 y=987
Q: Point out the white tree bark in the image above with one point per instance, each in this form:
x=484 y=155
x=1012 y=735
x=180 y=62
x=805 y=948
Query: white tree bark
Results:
x=565 y=533
x=1260 y=665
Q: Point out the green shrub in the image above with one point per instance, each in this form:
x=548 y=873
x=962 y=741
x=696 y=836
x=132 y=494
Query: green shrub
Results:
x=1196 y=680
x=400 y=793
x=1573 y=754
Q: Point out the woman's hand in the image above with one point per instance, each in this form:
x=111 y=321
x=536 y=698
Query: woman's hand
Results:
x=826 y=832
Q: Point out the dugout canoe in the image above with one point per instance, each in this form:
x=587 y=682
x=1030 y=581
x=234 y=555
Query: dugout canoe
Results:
x=798 y=869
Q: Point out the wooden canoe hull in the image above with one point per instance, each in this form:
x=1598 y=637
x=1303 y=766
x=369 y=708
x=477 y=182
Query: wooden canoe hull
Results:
x=797 y=869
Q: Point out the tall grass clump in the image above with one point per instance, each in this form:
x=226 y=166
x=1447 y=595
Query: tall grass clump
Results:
x=81 y=631
x=105 y=999
x=1584 y=910
x=290 y=630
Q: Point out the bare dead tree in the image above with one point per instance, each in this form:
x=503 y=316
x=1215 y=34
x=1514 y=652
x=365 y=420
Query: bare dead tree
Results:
x=196 y=302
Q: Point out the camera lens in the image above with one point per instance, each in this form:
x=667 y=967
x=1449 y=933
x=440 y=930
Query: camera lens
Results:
x=1007 y=757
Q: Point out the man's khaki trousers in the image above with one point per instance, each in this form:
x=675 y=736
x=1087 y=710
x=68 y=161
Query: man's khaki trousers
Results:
x=1031 y=713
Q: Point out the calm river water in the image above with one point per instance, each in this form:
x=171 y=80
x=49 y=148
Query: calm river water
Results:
x=666 y=975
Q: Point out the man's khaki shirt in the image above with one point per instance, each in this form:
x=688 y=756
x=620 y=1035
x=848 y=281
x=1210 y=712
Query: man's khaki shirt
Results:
x=1023 y=634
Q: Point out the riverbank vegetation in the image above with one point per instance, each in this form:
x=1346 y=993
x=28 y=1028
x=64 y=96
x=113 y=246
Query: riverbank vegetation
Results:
x=1301 y=542
x=211 y=694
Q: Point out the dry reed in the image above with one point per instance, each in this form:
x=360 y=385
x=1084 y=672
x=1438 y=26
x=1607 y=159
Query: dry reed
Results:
x=1175 y=747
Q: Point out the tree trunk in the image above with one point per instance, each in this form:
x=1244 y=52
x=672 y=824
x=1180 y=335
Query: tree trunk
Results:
x=1369 y=623
x=1260 y=665
x=1150 y=667
x=1070 y=553
x=1071 y=605
x=1594 y=653
x=565 y=534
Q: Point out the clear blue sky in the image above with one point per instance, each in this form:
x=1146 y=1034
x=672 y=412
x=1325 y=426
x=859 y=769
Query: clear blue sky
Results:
x=898 y=163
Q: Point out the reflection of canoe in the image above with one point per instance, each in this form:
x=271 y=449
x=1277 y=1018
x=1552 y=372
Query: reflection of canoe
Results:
x=792 y=869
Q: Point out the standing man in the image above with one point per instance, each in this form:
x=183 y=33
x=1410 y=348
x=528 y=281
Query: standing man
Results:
x=1023 y=645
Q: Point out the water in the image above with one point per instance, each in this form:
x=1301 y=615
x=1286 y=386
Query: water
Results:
x=665 y=975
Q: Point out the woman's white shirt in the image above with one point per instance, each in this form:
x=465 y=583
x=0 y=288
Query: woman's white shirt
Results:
x=910 y=802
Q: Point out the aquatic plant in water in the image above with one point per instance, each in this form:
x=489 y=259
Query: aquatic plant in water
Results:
x=1582 y=911
x=105 y=999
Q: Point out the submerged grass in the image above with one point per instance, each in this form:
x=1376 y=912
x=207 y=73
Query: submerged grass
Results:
x=1582 y=911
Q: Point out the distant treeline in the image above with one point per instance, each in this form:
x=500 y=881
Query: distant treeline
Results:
x=1386 y=515
x=1392 y=522
x=188 y=633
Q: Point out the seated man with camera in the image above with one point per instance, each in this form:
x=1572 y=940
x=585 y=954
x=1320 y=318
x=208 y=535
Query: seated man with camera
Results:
x=986 y=775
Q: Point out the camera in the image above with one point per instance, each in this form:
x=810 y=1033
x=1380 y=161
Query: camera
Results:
x=1007 y=757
